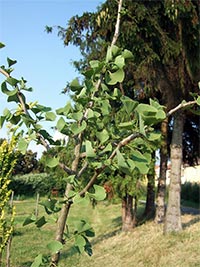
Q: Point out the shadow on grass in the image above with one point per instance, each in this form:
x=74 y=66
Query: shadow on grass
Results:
x=191 y=222
x=26 y=264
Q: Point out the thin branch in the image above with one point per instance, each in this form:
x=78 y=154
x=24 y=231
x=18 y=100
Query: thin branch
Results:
x=180 y=106
x=85 y=165
x=39 y=136
x=98 y=171
x=116 y=34
x=4 y=73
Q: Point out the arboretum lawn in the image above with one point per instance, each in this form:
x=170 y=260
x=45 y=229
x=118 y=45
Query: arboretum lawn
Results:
x=145 y=246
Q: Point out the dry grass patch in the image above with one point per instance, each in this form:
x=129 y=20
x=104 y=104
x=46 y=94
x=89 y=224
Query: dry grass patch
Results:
x=146 y=246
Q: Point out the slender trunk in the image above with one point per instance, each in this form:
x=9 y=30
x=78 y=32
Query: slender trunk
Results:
x=128 y=216
x=173 y=214
x=61 y=224
x=150 y=198
x=161 y=192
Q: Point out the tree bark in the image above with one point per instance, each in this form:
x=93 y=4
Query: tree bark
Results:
x=128 y=216
x=61 y=224
x=173 y=214
x=150 y=198
x=161 y=192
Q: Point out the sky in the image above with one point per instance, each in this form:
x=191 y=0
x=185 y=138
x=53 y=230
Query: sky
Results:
x=42 y=59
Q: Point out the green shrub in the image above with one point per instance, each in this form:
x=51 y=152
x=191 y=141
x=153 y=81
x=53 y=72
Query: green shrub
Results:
x=30 y=184
x=190 y=192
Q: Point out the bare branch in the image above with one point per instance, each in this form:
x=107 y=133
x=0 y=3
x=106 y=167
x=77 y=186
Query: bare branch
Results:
x=4 y=73
x=85 y=165
x=66 y=169
x=180 y=106
x=116 y=34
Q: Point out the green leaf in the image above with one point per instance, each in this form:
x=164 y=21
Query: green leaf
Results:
x=94 y=63
x=109 y=54
x=12 y=81
x=38 y=261
x=127 y=54
x=2 y=119
x=89 y=149
x=78 y=129
x=22 y=145
x=127 y=124
x=115 y=77
x=122 y=165
x=50 y=116
x=7 y=114
x=81 y=226
x=153 y=136
x=119 y=61
x=90 y=113
x=55 y=246
x=5 y=90
x=115 y=50
x=160 y=115
x=103 y=136
x=60 y=124
x=14 y=98
x=40 y=222
x=15 y=119
x=75 y=85
x=108 y=148
x=129 y=104
x=2 y=45
x=99 y=193
x=77 y=115
x=11 y=62
x=50 y=206
x=29 y=220
x=105 y=107
x=198 y=100
x=80 y=242
x=140 y=161
x=52 y=162
x=84 y=201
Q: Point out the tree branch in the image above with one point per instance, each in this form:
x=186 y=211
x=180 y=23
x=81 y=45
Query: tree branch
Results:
x=180 y=106
x=40 y=138
x=116 y=34
x=4 y=73
x=98 y=171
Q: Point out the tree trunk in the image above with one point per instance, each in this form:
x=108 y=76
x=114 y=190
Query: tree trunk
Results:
x=150 y=198
x=173 y=214
x=161 y=192
x=61 y=224
x=128 y=216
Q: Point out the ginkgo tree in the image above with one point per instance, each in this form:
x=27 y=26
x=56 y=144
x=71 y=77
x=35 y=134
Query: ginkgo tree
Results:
x=92 y=121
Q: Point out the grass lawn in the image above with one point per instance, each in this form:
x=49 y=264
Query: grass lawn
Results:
x=145 y=246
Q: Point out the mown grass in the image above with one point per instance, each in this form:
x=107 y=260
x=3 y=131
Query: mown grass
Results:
x=145 y=246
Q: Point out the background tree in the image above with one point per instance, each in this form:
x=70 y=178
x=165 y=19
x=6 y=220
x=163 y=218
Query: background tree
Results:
x=26 y=163
x=166 y=58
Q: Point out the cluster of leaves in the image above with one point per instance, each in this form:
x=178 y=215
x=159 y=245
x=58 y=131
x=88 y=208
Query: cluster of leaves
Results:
x=7 y=163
